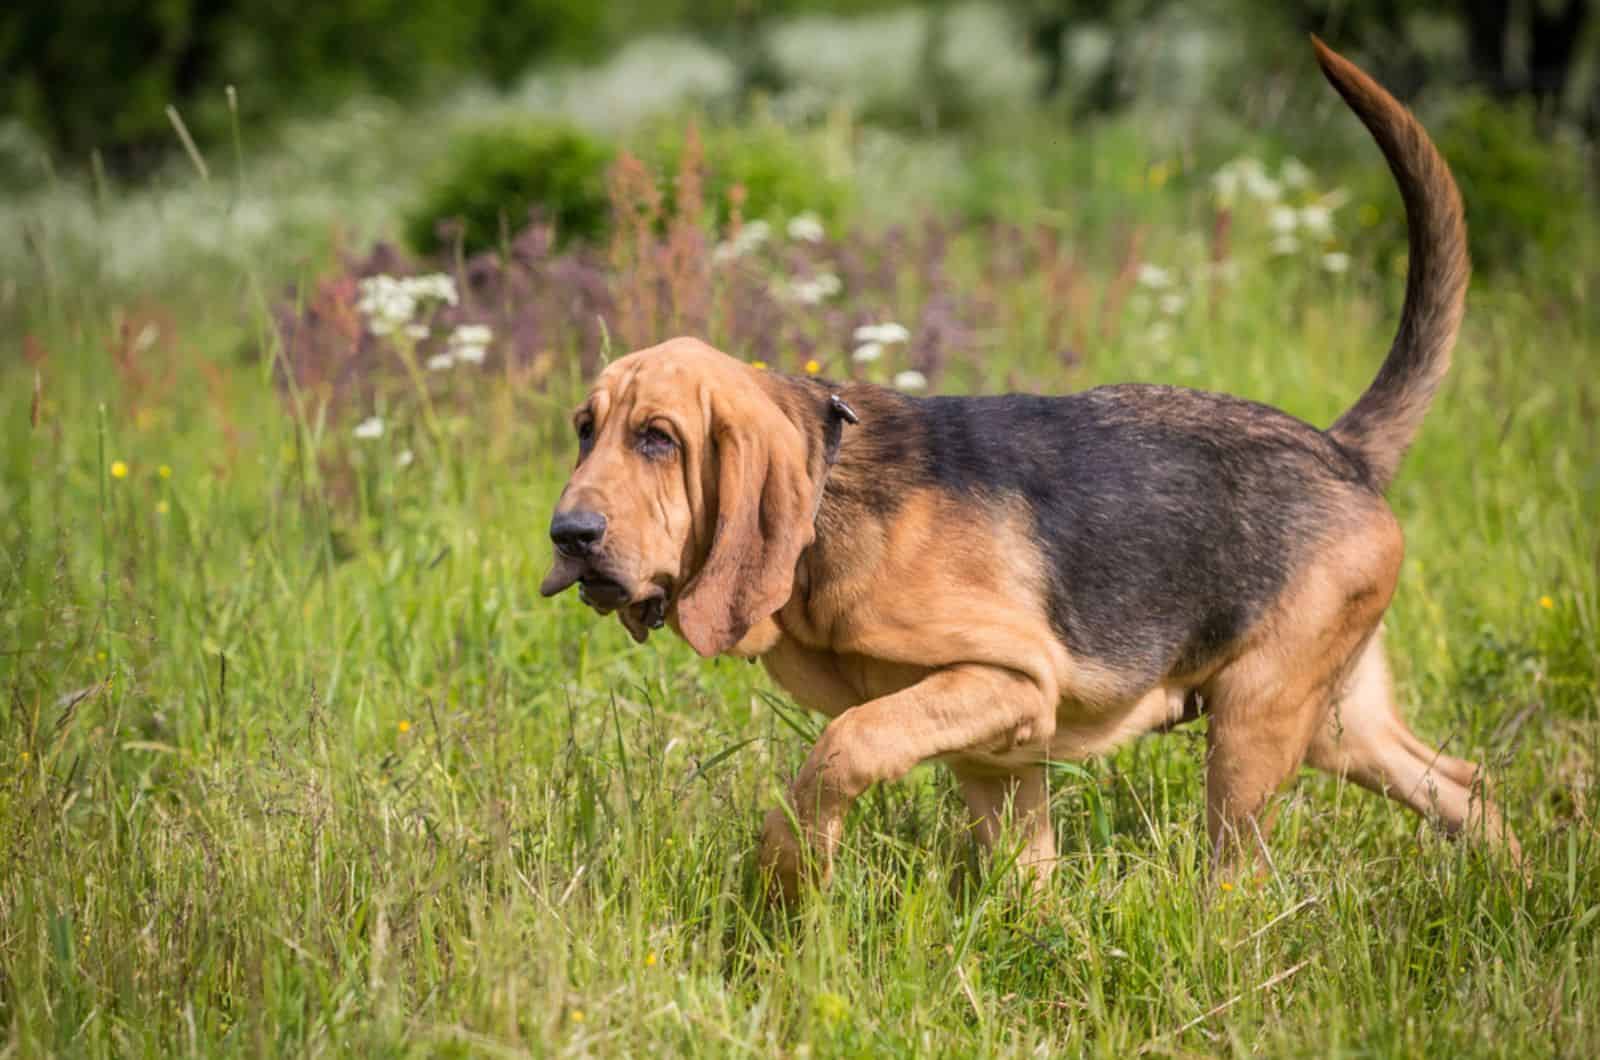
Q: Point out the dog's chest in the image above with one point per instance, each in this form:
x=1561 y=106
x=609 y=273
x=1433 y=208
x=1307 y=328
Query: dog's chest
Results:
x=832 y=682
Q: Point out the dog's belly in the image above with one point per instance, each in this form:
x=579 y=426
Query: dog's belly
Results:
x=1078 y=737
x=1084 y=733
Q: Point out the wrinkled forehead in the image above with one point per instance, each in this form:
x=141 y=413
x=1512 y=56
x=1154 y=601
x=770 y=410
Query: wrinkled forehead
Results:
x=665 y=378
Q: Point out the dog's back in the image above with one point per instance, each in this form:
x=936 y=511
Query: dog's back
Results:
x=1170 y=518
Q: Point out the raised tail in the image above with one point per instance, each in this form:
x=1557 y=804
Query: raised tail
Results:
x=1382 y=423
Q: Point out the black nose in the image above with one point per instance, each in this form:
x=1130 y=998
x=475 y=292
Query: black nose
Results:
x=576 y=533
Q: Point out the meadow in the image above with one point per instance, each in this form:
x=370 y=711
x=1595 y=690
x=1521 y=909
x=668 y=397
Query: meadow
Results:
x=294 y=759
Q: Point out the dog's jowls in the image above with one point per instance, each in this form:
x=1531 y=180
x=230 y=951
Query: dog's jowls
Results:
x=996 y=582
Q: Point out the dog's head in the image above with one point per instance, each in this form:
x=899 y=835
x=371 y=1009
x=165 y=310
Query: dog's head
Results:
x=692 y=498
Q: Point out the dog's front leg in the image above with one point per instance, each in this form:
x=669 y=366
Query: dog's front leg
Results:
x=969 y=707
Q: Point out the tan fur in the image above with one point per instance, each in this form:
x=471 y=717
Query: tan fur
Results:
x=881 y=616
x=1267 y=704
x=1364 y=739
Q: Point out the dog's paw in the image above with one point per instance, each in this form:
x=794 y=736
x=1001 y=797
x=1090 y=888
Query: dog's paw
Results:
x=787 y=864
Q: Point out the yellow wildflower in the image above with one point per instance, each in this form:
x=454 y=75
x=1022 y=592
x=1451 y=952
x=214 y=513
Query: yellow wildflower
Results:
x=119 y=469
x=650 y=959
x=26 y=756
x=1225 y=885
x=577 y=1015
x=161 y=507
x=832 y=1007
x=405 y=727
x=164 y=471
x=1546 y=603
x=813 y=366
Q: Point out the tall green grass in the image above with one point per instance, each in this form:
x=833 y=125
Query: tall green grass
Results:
x=294 y=759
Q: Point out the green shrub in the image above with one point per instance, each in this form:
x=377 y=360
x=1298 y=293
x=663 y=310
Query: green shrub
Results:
x=495 y=176
x=782 y=173
x=1522 y=192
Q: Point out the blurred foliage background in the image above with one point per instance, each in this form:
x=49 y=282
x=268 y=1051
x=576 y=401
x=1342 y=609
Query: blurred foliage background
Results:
x=98 y=77
x=295 y=299
x=474 y=112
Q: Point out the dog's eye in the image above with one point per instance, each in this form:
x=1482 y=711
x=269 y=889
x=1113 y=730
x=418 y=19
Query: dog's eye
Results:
x=655 y=443
x=585 y=435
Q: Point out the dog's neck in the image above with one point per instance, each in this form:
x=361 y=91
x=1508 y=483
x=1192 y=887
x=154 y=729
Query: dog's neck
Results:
x=824 y=417
x=858 y=474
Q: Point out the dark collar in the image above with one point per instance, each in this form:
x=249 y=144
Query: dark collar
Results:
x=839 y=413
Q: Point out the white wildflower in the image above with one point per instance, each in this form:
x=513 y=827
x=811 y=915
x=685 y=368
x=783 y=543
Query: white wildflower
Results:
x=1294 y=173
x=405 y=458
x=469 y=343
x=750 y=236
x=1335 y=198
x=440 y=362
x=1225 y=185
x=1240 y=173
x=867 y=352
x=1317 y=219
x=806 y=227
x=1283 y=219
x=1336 y=261
x=806 y=292
x=437 y=286
x=887 y=333
x=418 y=332
x=1285 y=244
x=1154 y=277
x=1172 y=303
x=1260 y=186
x=822 y=286
x=471 y=335
x=386 y=303
x=369 y=428
x=390 y=304
x=911 y=379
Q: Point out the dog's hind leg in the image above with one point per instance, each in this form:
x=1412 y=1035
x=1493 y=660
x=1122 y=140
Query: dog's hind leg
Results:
x=1269 y=702
x=1365 y=739
x=1020 y=797
x=1262 y=721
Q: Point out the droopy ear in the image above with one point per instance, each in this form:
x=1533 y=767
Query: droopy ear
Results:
x=763 y=521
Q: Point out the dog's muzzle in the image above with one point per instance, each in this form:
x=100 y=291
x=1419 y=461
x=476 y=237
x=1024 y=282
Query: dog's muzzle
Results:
x=578 y=560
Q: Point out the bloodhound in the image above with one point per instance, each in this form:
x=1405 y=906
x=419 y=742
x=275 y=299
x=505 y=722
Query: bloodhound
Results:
x=999 y=582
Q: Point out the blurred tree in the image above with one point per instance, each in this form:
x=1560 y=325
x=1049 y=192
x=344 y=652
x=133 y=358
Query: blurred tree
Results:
x=1046 y=24
x=1514 y=50
x=100 y=75
x=84 y=76
x=511 y=35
